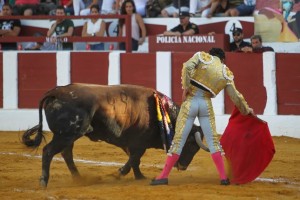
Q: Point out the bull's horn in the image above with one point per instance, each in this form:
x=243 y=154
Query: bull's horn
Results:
x=199 y=141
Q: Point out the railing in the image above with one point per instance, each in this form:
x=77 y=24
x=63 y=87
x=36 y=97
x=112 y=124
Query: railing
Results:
x=126 y=39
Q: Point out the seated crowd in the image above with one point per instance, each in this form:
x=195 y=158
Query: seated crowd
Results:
x=146 y=8
x=136 y=8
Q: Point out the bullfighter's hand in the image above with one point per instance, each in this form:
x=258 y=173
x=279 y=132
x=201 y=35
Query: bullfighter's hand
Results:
x=251 y=112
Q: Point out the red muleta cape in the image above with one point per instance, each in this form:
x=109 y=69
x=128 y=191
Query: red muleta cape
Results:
x=248 y=147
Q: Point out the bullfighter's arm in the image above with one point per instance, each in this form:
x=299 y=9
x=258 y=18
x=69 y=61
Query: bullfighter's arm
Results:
x=237 y=98
x=188 y=70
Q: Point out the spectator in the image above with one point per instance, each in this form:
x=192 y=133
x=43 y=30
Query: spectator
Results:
x=137 y=25
x=28 y=12
x=61 y=28
x=119 y=5
x=67 y=4
x=46 y=6
x=217 y=6
x=173 y=9
x=286 y=6
x=244 y=9
x=82 y=7
x=94 y=27
x=256 y=45
x=185 y=27
x=154 y=7
x=141 y=7
x=220 y=7
x=109 y=7
x=199 y=7
x=9 y=27
x=238 y=40
x=22 y=5
x=33 y=46
x=2 y=2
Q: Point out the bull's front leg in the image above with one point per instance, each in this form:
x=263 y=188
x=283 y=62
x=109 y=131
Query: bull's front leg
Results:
x=67 y=154
x=125 y=169
x=135 y=160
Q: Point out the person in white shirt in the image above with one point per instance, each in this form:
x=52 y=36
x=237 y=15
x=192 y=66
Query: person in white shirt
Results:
x=140 y=6
x=94 y=27
x=137 y=25
x=82 y=7
x=199 y=7
x=109 y=7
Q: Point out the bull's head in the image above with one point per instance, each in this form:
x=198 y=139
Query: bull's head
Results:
x=191 y=147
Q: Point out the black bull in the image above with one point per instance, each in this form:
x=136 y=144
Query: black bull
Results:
x=123 y=115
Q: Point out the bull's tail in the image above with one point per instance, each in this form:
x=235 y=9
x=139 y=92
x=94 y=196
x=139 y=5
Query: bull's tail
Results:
x=36 y=130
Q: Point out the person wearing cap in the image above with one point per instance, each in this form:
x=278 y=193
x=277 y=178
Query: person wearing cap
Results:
x=238 y=40
x=185 y=27
x=203 y=76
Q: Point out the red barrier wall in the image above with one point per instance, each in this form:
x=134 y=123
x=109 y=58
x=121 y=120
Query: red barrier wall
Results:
x=177 y=60
x=138 y=69
x=89 y=67
x=288 y=83
x=36 y=75
x=1 y=80
x=248 y=76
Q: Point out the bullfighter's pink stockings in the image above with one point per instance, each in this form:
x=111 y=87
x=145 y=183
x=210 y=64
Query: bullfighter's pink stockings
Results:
x=170 y=162
x=218 y=160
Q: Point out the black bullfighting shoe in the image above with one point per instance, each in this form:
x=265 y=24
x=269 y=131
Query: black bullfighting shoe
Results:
x=225 y=182
x=163 y=181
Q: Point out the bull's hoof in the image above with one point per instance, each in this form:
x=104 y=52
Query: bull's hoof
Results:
x=77 y=177
x=140 y=177
x=124 y=171
x=43 y=183
x=163 y=181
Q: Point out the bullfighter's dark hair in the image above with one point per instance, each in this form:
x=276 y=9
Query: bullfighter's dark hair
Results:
x=217 y=52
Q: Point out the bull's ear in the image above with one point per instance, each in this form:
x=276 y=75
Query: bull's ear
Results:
x=199 y=141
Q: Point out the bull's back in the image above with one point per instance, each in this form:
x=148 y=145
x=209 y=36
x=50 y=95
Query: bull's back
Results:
x=122 y=115
x=127 y=107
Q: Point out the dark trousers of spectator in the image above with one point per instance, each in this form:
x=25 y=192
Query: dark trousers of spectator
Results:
x=9 y=46
x=134 y=43
x=19 y=9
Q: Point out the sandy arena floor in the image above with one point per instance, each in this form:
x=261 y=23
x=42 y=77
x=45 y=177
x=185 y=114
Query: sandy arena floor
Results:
x=20 y=169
